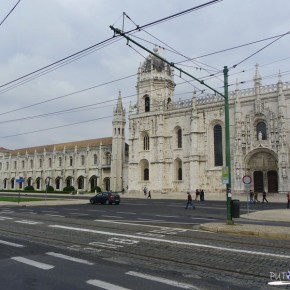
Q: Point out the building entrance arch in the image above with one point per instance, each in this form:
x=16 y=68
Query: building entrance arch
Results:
x=262 y=166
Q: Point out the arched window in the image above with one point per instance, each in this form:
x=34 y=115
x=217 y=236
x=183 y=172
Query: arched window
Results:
x=40 y=163
x=218 y=145
x=146 y=174
x=95 y=159
x=179 y=138
x=57 y=183
x=178 y=169
x=261 y=131
x=81 y=182
x=31 y=164
x=15 y=165
x=68 y=181
x=82 y=160
x=146 y=144
x=0 y=165
x=59 y=161
x=38 y=183
x=23 y=164
x=147 y=104
x=49 y=162
x=70 y=161
x=12 y=183
x=7 y=165
x=108 y=158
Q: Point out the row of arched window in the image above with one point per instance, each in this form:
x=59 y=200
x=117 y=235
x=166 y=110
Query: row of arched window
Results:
x=16 y=165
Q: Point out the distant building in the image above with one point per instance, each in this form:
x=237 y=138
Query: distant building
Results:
x=83 y=164
x=176 y=146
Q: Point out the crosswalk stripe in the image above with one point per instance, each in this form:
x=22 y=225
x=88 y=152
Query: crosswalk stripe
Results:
x=162 y=280
x=105 y=285
x=33 y=263
x=11 y=244
x=28 y=222
x=58 y=255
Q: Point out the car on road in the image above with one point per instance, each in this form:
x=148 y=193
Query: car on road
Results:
x=106 y=198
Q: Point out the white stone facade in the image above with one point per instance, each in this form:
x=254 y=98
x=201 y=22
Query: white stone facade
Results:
x=180 y=145
x=82 y=164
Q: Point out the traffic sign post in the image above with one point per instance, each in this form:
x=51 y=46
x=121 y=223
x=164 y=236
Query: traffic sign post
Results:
x=247 y=180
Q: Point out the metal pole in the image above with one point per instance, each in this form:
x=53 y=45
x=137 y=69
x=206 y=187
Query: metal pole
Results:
x=228 y=151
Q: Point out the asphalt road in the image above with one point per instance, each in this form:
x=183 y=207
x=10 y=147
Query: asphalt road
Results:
x=139 y=244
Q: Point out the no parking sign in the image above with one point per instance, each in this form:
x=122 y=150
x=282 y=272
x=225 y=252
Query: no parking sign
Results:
x=247 y=180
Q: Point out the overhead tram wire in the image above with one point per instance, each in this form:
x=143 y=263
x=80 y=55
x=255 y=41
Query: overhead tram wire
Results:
x=40 y=72
x=66 y=95
x=168 y=46
x=108 y=39
x=9 y=13
x=56 y=127
x=259 y=50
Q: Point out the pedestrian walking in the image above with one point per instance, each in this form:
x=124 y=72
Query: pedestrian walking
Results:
x=145 y=190
x=288 y=199
x=202 y=195
x=149 y=194
x=197 y=194
x=251 y=193
x=256 y=198
x=264 y=197
x=189 y=201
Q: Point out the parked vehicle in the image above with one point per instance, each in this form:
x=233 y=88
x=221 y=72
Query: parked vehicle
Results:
x=106 y=198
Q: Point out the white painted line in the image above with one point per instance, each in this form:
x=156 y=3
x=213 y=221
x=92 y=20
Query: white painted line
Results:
x=162 y=280
x=168 y=216
x=28 y=222
x=50 y=211
x=128 y=222
x=150 y=235
x=98 y=210
x=105 y=285
x=6 y=218
x=105 y=245
x=126 y=212
x=80 y=214
x=58 y=255
x=11 y=244
x=172 y=242
x=54 y=215
x=112 y=216
x=150 y=220
x=33 y=263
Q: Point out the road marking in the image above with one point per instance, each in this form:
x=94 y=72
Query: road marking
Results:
x=11 y=244
x=172 y=242
x=200 y=218
x=150 y=235
x=105 y=245
x=112 y=216
x=149 y=220
x=50 y=211
x=79 y=214
x=162 y=280
x=128 y=222
x=58 y=255
x=94 y=210
x=33 y=263
x=168 y=216
x=6 y=218
x=28 y=222
x=126 y=212
x=105 y=285
x=55 y=215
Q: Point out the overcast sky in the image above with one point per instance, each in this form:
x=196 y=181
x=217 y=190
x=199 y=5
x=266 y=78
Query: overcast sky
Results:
x=39 y=33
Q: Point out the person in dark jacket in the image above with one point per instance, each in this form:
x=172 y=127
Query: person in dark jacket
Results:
x=264 y=197
x=189 y=201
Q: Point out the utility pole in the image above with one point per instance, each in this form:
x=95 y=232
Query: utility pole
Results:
x=227 y=124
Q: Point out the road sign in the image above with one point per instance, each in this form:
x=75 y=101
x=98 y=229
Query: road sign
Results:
x=20 y=180
x=247 y=179
x=225 y=175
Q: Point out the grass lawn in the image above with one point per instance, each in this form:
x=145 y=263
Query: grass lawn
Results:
x=21 y=199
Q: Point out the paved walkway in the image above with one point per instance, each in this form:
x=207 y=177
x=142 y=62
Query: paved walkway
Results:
x=238 y=227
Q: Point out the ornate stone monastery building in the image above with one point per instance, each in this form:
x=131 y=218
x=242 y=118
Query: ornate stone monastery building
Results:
x=174 y=146
x=180 y=145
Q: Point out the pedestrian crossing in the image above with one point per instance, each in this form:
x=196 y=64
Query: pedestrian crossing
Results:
x=39 y=265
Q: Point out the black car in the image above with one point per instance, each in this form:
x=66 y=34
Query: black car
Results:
x=106 y=198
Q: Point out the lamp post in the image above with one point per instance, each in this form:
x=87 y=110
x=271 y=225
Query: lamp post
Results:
x=228 y=149
x=227 y=123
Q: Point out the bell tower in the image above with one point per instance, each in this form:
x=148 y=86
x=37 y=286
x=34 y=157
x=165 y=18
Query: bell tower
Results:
x=118 y=146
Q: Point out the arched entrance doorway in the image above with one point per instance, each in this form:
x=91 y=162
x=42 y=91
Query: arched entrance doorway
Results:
x=262 y=166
